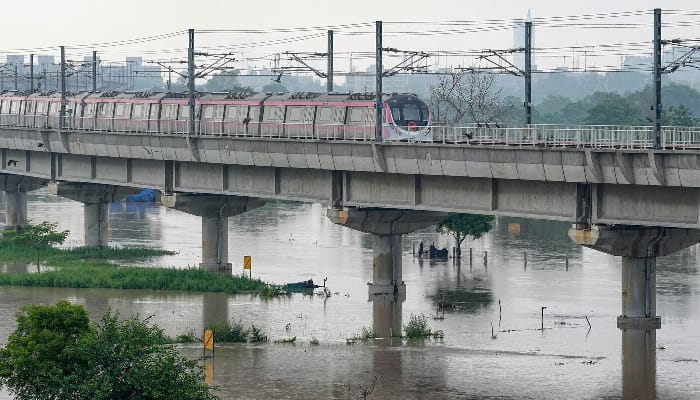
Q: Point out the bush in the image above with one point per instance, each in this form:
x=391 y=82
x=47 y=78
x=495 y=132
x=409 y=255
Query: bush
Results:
x=55 y=353
x=417 y=327
x=228 y=332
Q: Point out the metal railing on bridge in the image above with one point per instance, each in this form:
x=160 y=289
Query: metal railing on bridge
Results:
x=542 y=135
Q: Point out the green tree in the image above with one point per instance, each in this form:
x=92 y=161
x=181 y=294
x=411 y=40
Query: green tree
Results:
x=57 y=354
x=39 y=236
x=677 y=116
x=36 y=359
x=225 y=82
x=463 y=225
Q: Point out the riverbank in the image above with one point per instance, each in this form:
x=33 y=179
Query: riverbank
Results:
x=107 y=268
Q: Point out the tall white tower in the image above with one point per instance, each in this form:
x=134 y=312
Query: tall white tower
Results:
x=519 y=40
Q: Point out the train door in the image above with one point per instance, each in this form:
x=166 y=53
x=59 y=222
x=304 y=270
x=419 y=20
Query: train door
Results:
x=104 y=117
x=139 y=117
x=272 y=121
x=87 y=119
x=299 y=121
x=236 y=120
x=122 y=117
x=211 y=119
x=329 y=122
x=359 y=124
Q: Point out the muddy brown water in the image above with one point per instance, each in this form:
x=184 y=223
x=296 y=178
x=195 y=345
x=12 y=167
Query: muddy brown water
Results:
x=294 y=242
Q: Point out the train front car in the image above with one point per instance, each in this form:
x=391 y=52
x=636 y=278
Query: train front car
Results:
x=408 y=118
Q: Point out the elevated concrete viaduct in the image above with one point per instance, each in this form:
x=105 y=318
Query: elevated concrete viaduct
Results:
x=618 y=199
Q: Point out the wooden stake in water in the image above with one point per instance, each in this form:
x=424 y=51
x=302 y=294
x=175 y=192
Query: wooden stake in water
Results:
x=486 y=258
x=566 y=260
x=525 y=259
x=542 y=320
x=470 y=257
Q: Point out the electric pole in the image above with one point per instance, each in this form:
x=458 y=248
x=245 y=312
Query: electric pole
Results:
x=329 y=74
x=15 y=77
x=379 y=71
x=31 y=73
x=190 y=79
x=657 y=78
x=94 y=71
x=62 y=114
x=528 y=71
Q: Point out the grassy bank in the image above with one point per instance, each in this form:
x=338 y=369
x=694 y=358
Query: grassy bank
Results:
x=105 y=268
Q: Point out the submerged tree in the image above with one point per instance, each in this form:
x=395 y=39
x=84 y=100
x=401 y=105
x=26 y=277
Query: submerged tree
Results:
x=39 y=236
x=463 y=225
x=56 y=353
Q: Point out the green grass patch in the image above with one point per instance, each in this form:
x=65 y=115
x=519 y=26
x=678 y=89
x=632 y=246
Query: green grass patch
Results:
x=98 y=268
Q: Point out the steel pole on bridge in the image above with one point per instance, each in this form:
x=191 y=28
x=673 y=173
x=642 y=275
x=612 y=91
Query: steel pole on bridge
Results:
x=62 y=115
x=657 y=78
x=94 y=71
x=329 y=72
x=379 y=72
x=190 y=81
x=31 y=73
x=528 y=71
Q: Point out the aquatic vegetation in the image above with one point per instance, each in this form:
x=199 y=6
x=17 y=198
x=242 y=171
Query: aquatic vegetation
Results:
x=417 y=328
x=228 y=332
x=291 y=340
x=95 y=268
x=364 y=335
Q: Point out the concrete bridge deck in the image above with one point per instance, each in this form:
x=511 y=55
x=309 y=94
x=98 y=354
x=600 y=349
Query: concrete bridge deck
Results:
x=631 y=186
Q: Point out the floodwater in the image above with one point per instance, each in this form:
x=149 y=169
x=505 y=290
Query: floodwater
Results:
x=515 y=360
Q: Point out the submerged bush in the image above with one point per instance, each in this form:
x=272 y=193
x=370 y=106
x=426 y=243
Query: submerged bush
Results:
x=228 y=332
x=417 y=327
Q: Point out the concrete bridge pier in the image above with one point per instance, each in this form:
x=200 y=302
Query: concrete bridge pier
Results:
x=15 y=210
x=96 y=199
x=15 y=188
x=639 y=247
x=214 y=210
x=386 y=227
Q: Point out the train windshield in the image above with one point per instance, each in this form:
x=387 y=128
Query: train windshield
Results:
x=408 y=111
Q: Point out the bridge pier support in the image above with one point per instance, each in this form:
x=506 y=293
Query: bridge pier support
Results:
x=15 y=210
x=15 y=188
x=96 y=199
x=639 y=247
x=214 y=210
x=387 y=290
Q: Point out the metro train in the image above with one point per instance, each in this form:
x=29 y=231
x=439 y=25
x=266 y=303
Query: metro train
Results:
x=349 y=116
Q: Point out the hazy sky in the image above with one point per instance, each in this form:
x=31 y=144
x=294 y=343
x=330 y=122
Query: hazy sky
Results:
x=40 y=24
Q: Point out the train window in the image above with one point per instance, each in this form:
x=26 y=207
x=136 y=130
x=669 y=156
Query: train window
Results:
x=121 y=110
x=294 y=114
x=324 y=114
x=355 y=115
x=424 y=114
x=184 y=111
x=236 y=113
x=41 y=107
x=273 y=114
x=207 y=112
x=169 y=111
x=396 y=113
x=410 y=112
x=138 y=110
x=89 y=109
x=15 y=107
x=54 y=108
